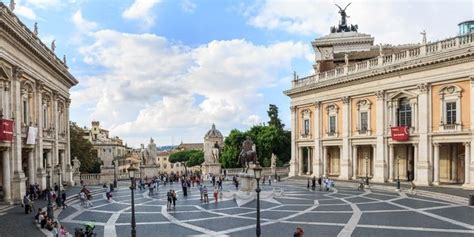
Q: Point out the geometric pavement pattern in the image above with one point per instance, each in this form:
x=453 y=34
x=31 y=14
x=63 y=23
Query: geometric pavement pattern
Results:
x=343 y=212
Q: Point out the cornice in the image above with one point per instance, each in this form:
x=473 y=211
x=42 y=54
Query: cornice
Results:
x=14 y=28
x=417 y=65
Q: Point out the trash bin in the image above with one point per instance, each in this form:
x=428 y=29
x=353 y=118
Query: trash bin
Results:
x=471 y=199
x=111 y=187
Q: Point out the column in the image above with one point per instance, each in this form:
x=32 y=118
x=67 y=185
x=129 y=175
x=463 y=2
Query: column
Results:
x=380 y=165
x=56 y=129
x=317 y=150
x=436 y=164
x=49 y=165
x=18 y=180
x=454 y=163
x=325 y=161
x=69 y=171
x=391 y=166
x=372 y=159
x=354 y=162
x=31 y=167
x=62 y=162
x=300 y=161
x=345 y=164
x=424 y=166
x=415 y=160
x=6 y=176
x=467 y=162
x=40 y=172
x=309 y=160
x=293 y=161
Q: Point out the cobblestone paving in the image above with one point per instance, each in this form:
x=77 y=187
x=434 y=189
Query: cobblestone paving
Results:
x=342 y=212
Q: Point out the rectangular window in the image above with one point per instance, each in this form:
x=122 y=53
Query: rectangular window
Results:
x=363 y=121
x=451 y=113
x=332 y=124
x=25 y=112
x=45 y=117
x=306 y=126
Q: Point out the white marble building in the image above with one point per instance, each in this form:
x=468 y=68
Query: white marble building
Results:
x=34 y=93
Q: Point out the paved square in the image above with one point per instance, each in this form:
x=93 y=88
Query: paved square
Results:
x=341 y=212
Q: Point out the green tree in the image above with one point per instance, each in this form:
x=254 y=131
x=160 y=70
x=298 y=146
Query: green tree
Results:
x=273 y=116
x=188 y=158
x=230 y=152
x=83 y=150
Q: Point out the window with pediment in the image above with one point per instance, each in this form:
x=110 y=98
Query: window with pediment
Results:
x=404 y=112
x=306 y=129
x=363 y=108
x=332 y=112
x=450 y=106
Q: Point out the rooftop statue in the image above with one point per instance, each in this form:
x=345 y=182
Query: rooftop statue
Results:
x=343 y=15
x=343 y=26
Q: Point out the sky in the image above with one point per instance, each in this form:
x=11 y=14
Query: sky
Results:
x=169 y=69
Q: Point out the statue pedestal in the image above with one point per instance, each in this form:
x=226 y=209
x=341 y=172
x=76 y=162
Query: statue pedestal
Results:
x=248 y=183
x=149 y=171
x=106 y=175
x=212 y=168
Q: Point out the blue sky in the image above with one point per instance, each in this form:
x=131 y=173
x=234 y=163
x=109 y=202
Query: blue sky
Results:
x=168 y=69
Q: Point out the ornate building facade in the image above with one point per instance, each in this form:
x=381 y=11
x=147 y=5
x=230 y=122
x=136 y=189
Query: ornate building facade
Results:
x=386 y=111
x=34 y=98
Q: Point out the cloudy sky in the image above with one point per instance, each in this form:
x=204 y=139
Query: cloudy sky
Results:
x=168 y=69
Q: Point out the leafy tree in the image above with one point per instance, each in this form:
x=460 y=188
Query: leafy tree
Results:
x=230 y=152
x=189 y=158
x=83 y=150
x=274 y=119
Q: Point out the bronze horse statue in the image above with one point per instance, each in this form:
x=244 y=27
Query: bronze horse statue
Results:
x=247 y=154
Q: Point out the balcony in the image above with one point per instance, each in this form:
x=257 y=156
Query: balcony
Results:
x=305 y=136
x=455 y=127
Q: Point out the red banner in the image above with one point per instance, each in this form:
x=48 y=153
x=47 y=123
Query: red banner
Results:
x=400 y=133
x=6 y=130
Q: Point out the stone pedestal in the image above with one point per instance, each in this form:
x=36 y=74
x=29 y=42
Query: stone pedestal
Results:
x=41 y=177
x=18 y=186
x=248 y=183
x=149 y=171
x=212 y=168
x=106 y=174
x=76 y=177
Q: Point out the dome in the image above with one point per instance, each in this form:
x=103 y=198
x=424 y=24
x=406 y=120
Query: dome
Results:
x=213 y=133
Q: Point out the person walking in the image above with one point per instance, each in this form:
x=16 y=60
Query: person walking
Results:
x=63 y=199
x=200 y=191
x=204 y=192
x=26 y=203
x=320 y=182
x=169 y=196
x=307 y=186
x=215 y=194
x=413 y=187
x=313 y=183
x=269 y=181
x=174 y=199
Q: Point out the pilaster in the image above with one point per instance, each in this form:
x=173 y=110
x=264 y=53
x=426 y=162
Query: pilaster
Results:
x=423 y=167
x=317 y=149
x=294 y=160
x=40 y=171
x=345 y=157
x=381 y=169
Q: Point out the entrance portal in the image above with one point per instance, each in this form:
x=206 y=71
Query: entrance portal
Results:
x=404 y=162
x=451 y=163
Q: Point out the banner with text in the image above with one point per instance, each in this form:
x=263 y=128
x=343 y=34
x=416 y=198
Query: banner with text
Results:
x=400 y=133
x=6 y=130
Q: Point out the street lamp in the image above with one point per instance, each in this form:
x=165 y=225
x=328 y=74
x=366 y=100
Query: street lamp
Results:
x=258 y=174
x=50 y=205
x=398 y=173
x=59 y=186
x=115 y=175
x=367 y=170
x=131 y=173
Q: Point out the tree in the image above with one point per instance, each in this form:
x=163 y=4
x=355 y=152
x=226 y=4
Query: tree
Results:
x=188 y=158
x=274 y=119
x=230 y=152
x=83 y=150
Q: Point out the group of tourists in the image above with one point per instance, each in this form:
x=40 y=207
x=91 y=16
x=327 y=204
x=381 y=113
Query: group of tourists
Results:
x=171 y=199
x=323 y=182
x=86 y=197
x=47 y=222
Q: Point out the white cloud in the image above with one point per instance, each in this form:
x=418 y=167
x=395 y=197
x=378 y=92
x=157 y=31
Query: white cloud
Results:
x=390 y=21
x=188 y=6
x=175 y=88
x=25 y=12
x=82 y=24
x=140 y=10
x=45 y=3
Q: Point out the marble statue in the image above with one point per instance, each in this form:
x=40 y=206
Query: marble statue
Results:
x=35 y=30
x=273 y=161
x=53 y=45
x=76 y=164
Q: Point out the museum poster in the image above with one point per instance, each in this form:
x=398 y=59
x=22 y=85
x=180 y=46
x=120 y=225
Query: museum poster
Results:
x=6 y=130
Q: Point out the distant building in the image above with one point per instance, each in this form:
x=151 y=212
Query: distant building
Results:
x=466 y=27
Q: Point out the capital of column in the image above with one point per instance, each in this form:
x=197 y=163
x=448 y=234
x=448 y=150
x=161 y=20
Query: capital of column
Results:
x=435 y=144
x=18 y=73
x=472 y=80
x=467 y=144
x=68 y=102
x=55 y=95
x=380 y=95
x=39 y=86
x=292 y=108
x=423 y=87
x=317 y=104
x=345 y=99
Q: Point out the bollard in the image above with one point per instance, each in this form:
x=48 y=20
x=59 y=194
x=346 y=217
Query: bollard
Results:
x=111 y=187
x=471 y=199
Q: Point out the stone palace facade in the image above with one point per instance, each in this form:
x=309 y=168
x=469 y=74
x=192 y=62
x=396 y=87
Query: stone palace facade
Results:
x=386 y=111
x=34 y=100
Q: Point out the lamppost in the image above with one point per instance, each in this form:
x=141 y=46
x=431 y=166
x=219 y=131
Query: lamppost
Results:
x=367 y=170
x=258 y=174
x=60 y=184
x=115 y=175
x=50 y=205
x=398 y=173
x=131 y=173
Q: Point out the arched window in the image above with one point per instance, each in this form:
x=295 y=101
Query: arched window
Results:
x=404 y=112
